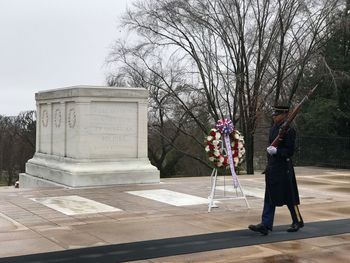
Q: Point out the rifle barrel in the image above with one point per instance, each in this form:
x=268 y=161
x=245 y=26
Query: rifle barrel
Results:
x=291 y=117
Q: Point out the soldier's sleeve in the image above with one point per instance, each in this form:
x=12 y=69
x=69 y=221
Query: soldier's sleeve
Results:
x=286 y=149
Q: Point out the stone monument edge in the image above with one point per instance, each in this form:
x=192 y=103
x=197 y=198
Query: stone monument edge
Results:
x=92 y=91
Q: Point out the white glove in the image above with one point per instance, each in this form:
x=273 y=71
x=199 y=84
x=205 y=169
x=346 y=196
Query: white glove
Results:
x=271 y=150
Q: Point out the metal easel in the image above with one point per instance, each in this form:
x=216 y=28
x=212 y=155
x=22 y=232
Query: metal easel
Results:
x=213 y=197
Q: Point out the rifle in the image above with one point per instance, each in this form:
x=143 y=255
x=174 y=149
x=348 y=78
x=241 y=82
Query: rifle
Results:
x=285 y=126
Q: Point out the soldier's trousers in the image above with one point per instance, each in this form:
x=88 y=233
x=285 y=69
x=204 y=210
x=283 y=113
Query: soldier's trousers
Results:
x=268 y=214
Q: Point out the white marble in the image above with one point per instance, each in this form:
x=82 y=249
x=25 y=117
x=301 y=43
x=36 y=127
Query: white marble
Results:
x=170 y=197
x=75 y=205
x=248 y=191
x=112 y=130
x=90 y=136
x=58 y=131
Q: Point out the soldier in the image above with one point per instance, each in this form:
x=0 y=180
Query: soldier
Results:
x=280 y=183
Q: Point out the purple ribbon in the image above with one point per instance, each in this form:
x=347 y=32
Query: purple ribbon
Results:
x=232 y=166
x=225 y=127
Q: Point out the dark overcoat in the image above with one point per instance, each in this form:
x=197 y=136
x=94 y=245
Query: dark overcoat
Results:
x=281 y=185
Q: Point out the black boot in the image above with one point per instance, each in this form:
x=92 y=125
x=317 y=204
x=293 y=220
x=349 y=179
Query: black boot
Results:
x=259 y=228
x=295 y=226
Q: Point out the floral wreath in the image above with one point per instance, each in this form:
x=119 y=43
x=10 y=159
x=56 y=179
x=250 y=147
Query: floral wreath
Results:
x=217 y=153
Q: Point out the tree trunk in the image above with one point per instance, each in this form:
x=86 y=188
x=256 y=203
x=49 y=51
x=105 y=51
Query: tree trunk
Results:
x=249 y=147
x=10 y=176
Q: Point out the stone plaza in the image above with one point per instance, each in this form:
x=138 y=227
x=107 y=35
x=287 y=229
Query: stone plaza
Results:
x=63 y=219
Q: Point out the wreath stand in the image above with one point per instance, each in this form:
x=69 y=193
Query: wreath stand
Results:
x=212 y=197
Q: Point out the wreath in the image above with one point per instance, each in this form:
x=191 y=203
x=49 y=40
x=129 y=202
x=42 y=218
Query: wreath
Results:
x=217 y=153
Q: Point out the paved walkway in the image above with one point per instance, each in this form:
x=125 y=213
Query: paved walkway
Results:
x=43 y=220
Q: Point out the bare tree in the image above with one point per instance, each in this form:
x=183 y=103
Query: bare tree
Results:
x=238 y=56
x=172 y=105
x=17 y=144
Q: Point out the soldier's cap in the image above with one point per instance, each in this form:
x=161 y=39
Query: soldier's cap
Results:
x=279 y=109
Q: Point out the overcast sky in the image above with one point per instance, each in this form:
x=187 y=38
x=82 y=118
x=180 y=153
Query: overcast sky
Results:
x=48 y=44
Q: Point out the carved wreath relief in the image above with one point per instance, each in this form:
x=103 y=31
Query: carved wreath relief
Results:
x=58 y=118
x=45 y=118
x=72 y=118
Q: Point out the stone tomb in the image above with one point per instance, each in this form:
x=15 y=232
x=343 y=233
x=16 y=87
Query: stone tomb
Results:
x=90 y=136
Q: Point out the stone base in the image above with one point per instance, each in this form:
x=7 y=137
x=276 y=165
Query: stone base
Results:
x=47 y=170
x=29 y=181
